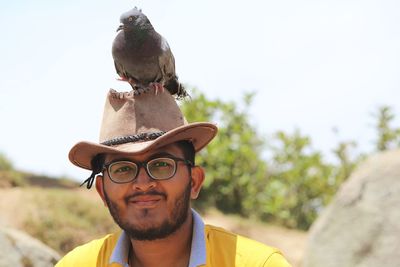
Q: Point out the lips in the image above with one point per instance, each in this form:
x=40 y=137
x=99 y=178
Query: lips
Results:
x=145 y=201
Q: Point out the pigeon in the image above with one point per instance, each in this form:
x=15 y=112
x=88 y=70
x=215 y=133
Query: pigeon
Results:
x=143 y=57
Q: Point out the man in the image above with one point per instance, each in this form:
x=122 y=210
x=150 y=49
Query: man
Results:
x=146 y=176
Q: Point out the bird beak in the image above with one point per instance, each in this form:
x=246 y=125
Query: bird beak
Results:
x=120 y=27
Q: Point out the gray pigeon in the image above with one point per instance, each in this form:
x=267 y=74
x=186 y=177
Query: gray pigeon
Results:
x=142 y=57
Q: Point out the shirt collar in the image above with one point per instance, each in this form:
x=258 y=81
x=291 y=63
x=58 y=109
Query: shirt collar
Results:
x=197 y=252
x=121 y=251
x=198 y=249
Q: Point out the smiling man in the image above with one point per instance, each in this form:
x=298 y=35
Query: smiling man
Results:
x=146 y=176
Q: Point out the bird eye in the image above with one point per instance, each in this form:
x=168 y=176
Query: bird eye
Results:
x=130 y=18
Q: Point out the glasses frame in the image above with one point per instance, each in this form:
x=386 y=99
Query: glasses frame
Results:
x=145 y=165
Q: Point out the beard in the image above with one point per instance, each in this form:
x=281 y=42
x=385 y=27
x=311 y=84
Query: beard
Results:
x=176 y=218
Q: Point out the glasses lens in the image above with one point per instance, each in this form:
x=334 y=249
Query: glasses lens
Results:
x=122 y=171
x=161 y=168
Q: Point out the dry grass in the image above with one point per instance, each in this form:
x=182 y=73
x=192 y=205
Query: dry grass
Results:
x=60 y=218
x=11 y=178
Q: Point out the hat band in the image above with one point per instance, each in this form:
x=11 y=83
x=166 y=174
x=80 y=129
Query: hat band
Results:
x=132 y=138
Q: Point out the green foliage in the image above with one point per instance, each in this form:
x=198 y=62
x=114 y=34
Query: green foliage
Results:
x=347 y=163
x=11 y=178
x=8 y=176
x=300 y=183
x=290 y=190
x=5 y=163
x=388 y=136
x=233 y=163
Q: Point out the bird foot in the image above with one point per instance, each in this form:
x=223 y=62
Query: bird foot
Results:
x=158 y=87
x=139 y=89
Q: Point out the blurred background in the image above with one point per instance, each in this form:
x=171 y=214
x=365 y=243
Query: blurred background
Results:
x=302 y=91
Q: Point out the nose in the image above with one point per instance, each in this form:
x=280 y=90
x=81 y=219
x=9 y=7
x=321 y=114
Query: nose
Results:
x=143 y=181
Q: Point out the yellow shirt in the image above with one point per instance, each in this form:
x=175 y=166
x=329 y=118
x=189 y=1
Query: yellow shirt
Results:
x=211 y=247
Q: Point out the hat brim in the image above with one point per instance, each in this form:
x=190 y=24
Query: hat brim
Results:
x=199 y=133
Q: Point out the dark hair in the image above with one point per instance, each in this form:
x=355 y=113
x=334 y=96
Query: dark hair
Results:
x=97 y=161
x=188 y=150
x=96 y=164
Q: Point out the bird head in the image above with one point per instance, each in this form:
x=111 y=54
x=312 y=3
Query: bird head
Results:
x=134 y=19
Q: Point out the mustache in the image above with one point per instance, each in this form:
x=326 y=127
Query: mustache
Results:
x=149 y=193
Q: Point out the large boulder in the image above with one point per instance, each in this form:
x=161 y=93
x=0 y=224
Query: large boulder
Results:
x=361 y=227
x=20 y=250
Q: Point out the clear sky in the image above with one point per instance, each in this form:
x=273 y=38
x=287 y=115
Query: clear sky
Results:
x=315 y=65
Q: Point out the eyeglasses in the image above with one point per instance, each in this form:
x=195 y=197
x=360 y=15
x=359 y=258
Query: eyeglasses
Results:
x=162 y=168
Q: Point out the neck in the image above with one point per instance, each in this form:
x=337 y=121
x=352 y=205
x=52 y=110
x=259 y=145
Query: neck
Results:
x=137 y=36
x=172 y=251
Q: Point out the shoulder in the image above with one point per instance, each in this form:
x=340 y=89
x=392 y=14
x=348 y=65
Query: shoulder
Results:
x=94 y=253
x=229 y=249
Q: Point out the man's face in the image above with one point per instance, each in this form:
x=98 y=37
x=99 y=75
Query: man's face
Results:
x=148 y=209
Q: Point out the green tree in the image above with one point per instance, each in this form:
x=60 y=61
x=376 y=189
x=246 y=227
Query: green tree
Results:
x=295 y=185
x=233 y=160
x=300 y=183
x=347 y=162
x=388 y=136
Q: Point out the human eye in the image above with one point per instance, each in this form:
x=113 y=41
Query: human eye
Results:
x=122 y=168
x=162 y=163
x=161 y=168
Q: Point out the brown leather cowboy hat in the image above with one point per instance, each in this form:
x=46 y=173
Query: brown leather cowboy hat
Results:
x=136 y=123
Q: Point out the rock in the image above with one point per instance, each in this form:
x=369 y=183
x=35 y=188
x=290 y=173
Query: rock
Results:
x=361 y=227
x=20 y=250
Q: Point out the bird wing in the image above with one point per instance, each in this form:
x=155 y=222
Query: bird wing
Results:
x=166 y=61
x=119 y=69
x=169 y=79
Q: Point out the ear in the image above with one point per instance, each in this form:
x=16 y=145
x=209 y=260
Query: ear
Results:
x=198 y=176
x=100 y=188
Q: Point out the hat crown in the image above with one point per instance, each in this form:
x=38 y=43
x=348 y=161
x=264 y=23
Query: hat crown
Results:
x=127 y=114
x=134 y=124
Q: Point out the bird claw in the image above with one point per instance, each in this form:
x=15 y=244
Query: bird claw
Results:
x=139 y=89
x=158 y=87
